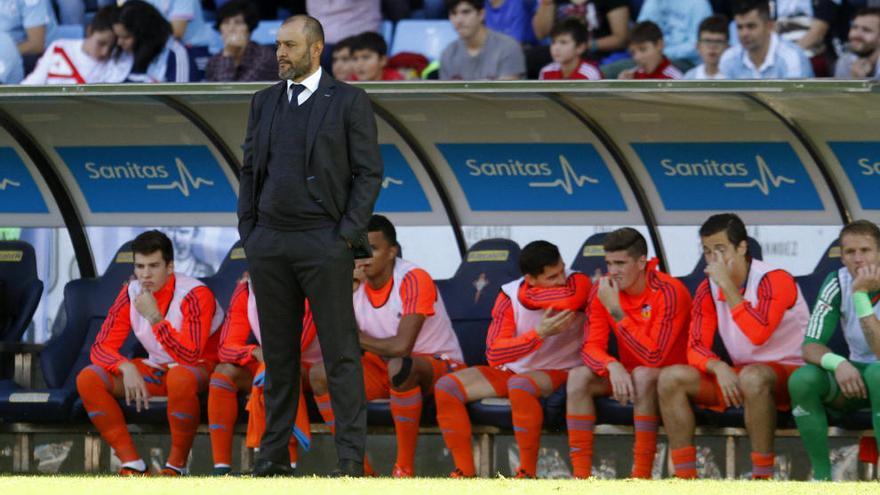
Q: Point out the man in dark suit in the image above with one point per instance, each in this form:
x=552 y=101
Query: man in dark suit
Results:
x=311 y=175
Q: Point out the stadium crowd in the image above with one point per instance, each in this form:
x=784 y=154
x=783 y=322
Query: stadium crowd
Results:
x=746 y=338
x=186 y=41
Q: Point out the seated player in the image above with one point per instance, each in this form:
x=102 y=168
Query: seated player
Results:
x=533 y=340
x=406 y=335
x=240 y=370
x=648 y=311
x=175 y=318
x=760 y=315
x=850 y=296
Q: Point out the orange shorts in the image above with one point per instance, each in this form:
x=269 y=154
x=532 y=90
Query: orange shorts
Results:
x=710 y=396
x=377 y=383
x=156 y=378
x=497 y=377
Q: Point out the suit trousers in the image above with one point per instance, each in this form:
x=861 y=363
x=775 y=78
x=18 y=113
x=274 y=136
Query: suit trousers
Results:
x=286 y=267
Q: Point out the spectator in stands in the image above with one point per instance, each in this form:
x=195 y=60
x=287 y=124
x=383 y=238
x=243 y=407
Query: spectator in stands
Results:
x=807 y=23
x=240 y=368
x=830 y=380
x=344 y=18
x=241 y=59
x=513 y=18
x=569 y=44
x=761 y=54
x=648 y=311
x=760 y=315
x=679 y=21
x=607 y=23
x=479 y=53
x=343 y=63
x=74 y=11
x=646 y=47
x=144 y=34
x=187 y=20
x=534 y=339
x=84 y=61
x=713 y=39
x=370 y=54
x=28 y=23
x=861 y=58
x=175 y=318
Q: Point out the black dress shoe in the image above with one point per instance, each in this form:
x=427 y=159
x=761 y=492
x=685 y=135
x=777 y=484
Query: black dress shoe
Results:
x=348 y=467
x=267 y=469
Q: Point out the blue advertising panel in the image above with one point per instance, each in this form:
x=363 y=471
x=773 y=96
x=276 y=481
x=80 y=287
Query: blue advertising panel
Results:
x=861 y=162
x=401 y=191
x=150 y=179
x=18 y=191
x=533 y=177
x=729 y=176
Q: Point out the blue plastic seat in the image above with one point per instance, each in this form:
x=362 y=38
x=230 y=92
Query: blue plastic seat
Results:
x=66 y=32
x=266 y=32
x=812 y=282
x=387 y=30
x=427 y=37
x=20 y=289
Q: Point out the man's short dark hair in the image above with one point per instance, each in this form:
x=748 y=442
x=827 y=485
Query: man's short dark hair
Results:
x=246 y=8
x=104 y=19
x=645 y=32
x=573 y=27
x=311 y=27
x=370 y=41
x=380 y=223
x=626 y=239
x=536 y=256
x=861 y=227
x=865 y=11
x=453 y=4
x=729 y=223
x=743 y=7
x=717 y=24
x=344 y=44
x=151 y=241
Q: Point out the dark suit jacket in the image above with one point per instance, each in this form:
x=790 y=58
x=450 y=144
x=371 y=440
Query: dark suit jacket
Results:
x=342 y=154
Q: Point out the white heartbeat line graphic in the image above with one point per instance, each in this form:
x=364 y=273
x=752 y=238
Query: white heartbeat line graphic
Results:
x=8 y=183
x=569 y=179
x=766 y=180
x=391 y=181
x=186 y=179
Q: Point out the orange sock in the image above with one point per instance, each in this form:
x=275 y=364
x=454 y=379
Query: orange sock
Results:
x=406 y=409
x=184 y=415
x=452 y=417
x=326 y=411
x=293 y=450
x=580 y=443
x=528 y=418
x=302 y=429
x=222 y=413
x=762 y=465
x=684 y=460
x=645 y=446
x=94 y=385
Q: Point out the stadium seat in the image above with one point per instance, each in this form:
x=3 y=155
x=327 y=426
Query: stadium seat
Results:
x=387 y=30
x=266 y=32
x=590 y=259
x=812 y=282
x=86 y=302
x=20 y=289
x=66 y=32
x=427 y=37
x=693 y=280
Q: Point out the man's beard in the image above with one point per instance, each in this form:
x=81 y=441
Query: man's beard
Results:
x=865 y=51
x=298 y=68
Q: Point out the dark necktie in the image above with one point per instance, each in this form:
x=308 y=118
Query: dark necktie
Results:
x=295 y=90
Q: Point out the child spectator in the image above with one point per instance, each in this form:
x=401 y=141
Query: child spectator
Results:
x=83 y=61
x=713 y=38
x=370 y=54
x=607 y=22
x=241 y=59
x=479 y=53
x=569 y=44
x=142 y=33
x=343 y=63
x=646 y=48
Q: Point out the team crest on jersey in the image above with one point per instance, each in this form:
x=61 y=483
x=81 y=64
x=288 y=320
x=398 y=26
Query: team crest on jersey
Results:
x=646 y=311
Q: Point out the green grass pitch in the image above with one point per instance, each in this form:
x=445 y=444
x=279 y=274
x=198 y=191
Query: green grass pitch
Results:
x=107 y=485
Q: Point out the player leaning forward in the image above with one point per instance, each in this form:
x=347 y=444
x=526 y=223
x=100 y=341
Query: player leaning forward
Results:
x=850 y=296
x=175 y=318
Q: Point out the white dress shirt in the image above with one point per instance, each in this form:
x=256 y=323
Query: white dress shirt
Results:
x=311 y=84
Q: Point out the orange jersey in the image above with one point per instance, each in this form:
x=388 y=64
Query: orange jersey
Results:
x=237 y=329
x=777 y=292
x=188 y=345
x=503 y=345
x=653 y=331
x=417 y=291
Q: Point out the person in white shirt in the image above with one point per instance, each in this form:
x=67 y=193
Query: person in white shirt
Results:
x=84 y=61
x=712 y=39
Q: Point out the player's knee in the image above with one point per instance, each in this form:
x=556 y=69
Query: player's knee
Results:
x=872 y=377
x=672 y=379
x=228 y=370
x=805 y=381
x=449 y=386
x=523 y=383
x=756 y=380
x=645 y=380
x=579 y=380
x=183 y=382
x=90 y=379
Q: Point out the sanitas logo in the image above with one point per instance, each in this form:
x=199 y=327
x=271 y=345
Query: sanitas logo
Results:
x=183 y=183
x=568 y=182
x=5 y=183
x=712 y=168
x=868 y=167
x=391 y=181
